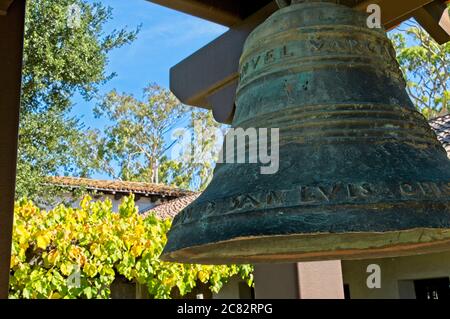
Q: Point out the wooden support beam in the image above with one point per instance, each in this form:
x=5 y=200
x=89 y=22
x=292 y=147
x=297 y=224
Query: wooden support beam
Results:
x=228 y=13
x=215 y=66
x=11 y=47
x=434 y=19
x=207 y=78
x=394 y=12
x=4 y=5
x=223 y=14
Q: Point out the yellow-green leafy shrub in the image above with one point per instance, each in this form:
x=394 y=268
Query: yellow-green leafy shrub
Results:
x=78 y=252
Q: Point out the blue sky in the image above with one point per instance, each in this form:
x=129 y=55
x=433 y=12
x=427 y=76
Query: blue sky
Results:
x=166 y=38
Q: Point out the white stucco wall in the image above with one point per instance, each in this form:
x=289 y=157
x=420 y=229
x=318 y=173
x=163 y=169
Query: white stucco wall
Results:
x=320 y=280
x=144 y=203
x=397 y=275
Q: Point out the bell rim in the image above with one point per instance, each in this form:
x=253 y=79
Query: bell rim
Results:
x=266 y=249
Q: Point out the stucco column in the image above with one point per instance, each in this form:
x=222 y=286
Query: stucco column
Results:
x=313 y=280
x=11 y=47
x=320 y=280
x=276 y=281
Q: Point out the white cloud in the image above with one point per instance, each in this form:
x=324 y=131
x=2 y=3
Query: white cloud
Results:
x=180 y=31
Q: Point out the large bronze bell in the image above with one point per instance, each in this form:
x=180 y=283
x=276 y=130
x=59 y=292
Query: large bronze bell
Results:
x=361 y=174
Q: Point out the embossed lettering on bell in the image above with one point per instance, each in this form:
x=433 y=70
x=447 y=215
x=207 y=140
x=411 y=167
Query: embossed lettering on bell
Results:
x=361 y=173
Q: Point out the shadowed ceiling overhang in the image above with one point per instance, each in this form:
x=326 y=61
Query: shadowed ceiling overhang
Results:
x=228 y=12
x=4 y=5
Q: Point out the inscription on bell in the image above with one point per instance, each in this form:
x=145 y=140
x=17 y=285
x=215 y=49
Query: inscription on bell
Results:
x=311 y=47
x=244 y=201
x=316 y=195
x=253 y=201
x=268 y=57
x=424 y=189
x=339 y=191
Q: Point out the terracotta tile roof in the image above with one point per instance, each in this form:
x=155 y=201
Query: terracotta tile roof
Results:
x=106 y=186
x=172 y=208
x=441 y=126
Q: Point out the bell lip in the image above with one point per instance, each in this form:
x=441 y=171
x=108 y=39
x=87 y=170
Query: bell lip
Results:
x=266 y=249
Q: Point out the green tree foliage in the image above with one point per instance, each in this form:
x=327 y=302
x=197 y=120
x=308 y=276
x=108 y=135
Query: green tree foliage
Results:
x=135 y=140
x=78 y=252
x=61 y=60
x=426 y=65
x=197 y=160
x=138 y=144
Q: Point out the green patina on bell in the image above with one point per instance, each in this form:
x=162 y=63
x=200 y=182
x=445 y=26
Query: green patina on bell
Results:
x=361 y=173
